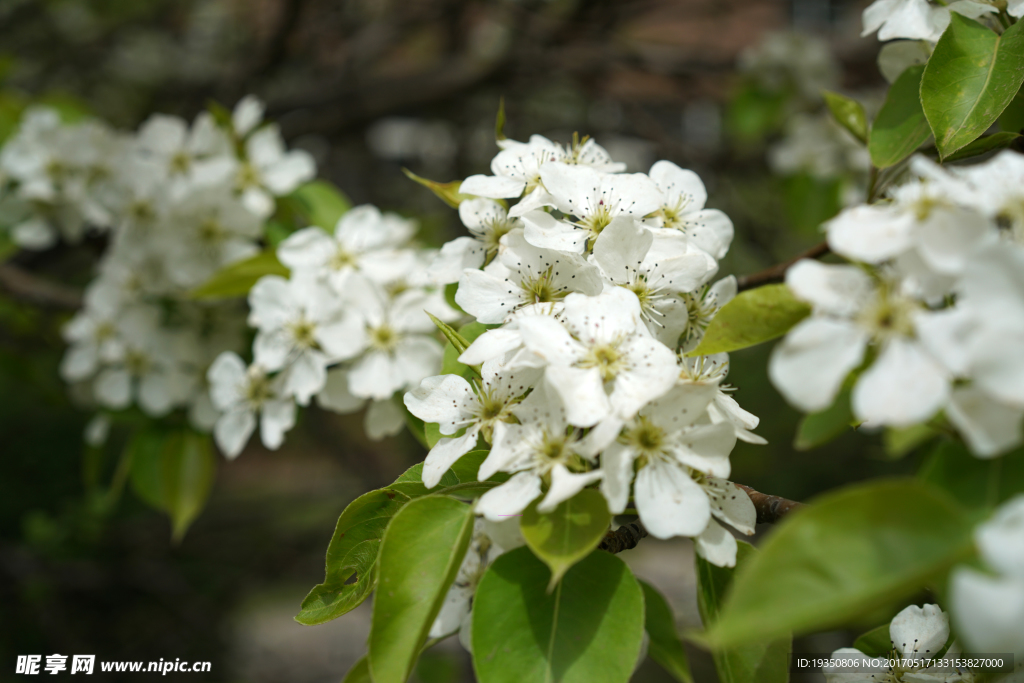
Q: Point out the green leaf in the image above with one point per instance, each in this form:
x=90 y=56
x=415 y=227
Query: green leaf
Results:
x=971 y=77
x=589 y=629
x=876 y=642
x=173 y=472
x=900 y=127
x=453 y=337
x=665 y=646
x=817 y=429
x=1012 y=118
x=411 y=482
x=466 y=467
x=810 y=201
x=898 y=441
x=420 y=556
x=238 y=278
x=754 y=316
x=976 y=483
x=321 y=203
x=499 y=121
x=359 y=673
x=755 y=662
x=848 y=113
x=752 y=114
x=984 y=145
x=847 y=553
x=567 y=534
x=352 y=552
x=447 y=192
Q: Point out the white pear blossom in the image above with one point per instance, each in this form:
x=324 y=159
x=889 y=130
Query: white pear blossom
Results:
x=365 y=241
x=916 y=634
x=683 y=197
x=476 y=409
x=270 y=171
x=593 y=199
x=917 y=19
x=541 y=452
x=711 y=371
x=904 y=385
x=524 y=276
x=239 y=393
x=302 y=329
x=188 y=158
x=487 y=222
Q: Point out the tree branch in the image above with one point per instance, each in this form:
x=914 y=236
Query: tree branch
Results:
x=777 y=273
x=770 y=509
x=24 y=286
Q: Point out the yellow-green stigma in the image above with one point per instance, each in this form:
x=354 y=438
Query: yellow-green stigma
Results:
x=671 y=215
x=303 y=332
x=248 y=176
x=137 y=363
x=604 y=357
x=889 y=316
x=383 y=338
x=210 y=231
x=257 y=389
x=180 y=164
x=341 y=259
x=539 y=289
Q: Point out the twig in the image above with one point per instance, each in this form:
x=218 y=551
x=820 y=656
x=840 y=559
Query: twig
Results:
x=770 y=509
x=25 y=286
x=777 y=273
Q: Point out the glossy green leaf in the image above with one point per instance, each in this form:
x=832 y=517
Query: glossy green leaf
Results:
x=174 y=472
x=446 y=192
x=972 y=76
x=321 y=204
x=900 y=127
x=846 y=553
x=817 y=429
x=238 y=278
x=411 y=482
x=875 y=643
x=588 y=629
x=848 y=113
x=980 y=484
x=754 y=316
x=359 y=673
x=420 y=556
x=1012 y=118
x=352 y=553
x=984 y=145
x=567 y=534
x=755 y=662
x=664 y=647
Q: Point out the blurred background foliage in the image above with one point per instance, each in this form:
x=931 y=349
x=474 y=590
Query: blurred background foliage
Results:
x=370 y=87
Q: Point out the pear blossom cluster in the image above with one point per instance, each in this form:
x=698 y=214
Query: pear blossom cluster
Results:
x=593 y=285
x=927 y=19
x=350 y=327
x=174 y=203
x=925 y=320
x=988 y=606
x=916 y=635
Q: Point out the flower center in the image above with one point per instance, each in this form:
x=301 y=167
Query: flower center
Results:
x=180 y=164
x=257 y=389
x=341 y=259
x=671 y=214
x=304 y=333
x=383 y=338
x=248 y=176
x=646 y=437
x=210 y=231
x=604 y=357
x=889 y=317
x=494 y=230
x=539 y=289
x=137 y=363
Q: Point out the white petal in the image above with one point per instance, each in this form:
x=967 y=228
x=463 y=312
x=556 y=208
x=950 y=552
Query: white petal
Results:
x=839 y=290
x=709 y=229
x=276 y=418
x=306 y=376
x=376 y=375
x=617 y=464
x=652 y=373
x=706 y=448
x=454 y=257
x=509 y=499
x=919 y=630
x=495 y=187
x=676 y=182
x=582 y=394
x=731 y=504
x=670 y=503
x=444 y=454
x=487 y=298
x=155 y=397
x=988 y=611
x=113 y=388
x=442 y=399
x=233 y=430
x=287 y=174
x=565 y=485
x=1001 y=539
x=544 y=231
x=79 y=362
x=272 y=302
x=335 y=395
x=990 y=427
x=272 y=350
x=716 y=545
x=810 y=364
x=247 y=115
x=491 y=344
x=871 y=233
x=383 y=418
x=226 y=376
x=307 y=248
x=621 y=248
x=549 y=339
x=902 y=387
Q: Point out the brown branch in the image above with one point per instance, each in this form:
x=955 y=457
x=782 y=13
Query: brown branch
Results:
x=770 y=509
x=24 y=286
x=777 y=273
